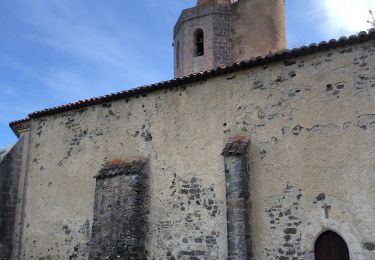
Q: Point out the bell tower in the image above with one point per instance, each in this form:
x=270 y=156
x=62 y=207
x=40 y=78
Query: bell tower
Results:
x=202 y=37
x=220 y=32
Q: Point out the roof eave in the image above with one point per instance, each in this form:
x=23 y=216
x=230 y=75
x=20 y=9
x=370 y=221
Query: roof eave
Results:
x=257 y=61
x=20 y=126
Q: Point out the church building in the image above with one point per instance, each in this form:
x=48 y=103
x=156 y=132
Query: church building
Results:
x=252 y=151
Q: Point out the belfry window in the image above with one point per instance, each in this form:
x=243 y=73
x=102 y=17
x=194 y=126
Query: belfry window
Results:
x=199 y=43
x=178 y=54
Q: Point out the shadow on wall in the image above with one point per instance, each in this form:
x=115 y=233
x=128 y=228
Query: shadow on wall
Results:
x=5 y=151
x=10 y=164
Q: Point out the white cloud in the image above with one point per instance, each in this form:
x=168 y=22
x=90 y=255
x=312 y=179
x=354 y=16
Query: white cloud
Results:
x=342 y=17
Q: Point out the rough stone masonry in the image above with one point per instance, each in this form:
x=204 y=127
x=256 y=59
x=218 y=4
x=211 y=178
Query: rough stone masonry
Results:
x=120 y=222
x=10 y=164
x=237 y=189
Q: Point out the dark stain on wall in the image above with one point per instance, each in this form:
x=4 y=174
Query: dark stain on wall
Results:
x=315 y=129
x=370 y=246
x=335 y=89
x=365 y=121
x=364 y=82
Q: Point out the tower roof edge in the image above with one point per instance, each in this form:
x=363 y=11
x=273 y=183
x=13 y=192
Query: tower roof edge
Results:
x=212 y=2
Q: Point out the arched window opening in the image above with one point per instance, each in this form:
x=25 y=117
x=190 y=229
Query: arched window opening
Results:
x=330 y=246
x=177 y=50
x=199 y=42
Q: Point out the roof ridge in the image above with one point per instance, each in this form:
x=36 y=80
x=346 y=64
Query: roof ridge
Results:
x=255 y=61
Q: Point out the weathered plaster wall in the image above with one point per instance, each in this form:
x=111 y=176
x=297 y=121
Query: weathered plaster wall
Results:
x=311 y=122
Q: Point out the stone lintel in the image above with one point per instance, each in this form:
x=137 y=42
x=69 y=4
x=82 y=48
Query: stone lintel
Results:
x=236 y=146
x=122 y=166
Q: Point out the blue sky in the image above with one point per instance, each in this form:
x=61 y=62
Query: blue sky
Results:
x=58 y=51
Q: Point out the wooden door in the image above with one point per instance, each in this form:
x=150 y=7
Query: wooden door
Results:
x=330 y=246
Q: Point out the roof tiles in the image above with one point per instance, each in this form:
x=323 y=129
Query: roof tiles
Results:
x=143 y=90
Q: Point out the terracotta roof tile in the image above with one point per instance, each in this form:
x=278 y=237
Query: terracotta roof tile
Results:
x=269 y=58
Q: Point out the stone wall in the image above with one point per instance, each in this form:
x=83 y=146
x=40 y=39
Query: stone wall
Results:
x=10 y=166
x=258 y=28
x=237 y=198
x=311 y=125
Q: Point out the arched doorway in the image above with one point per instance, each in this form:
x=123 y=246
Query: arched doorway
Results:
x=330 y=246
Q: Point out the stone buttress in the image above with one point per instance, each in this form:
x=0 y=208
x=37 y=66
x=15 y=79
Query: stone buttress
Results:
x=237 y=195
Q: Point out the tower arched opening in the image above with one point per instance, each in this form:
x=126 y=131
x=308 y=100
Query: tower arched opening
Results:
x=199 y=43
